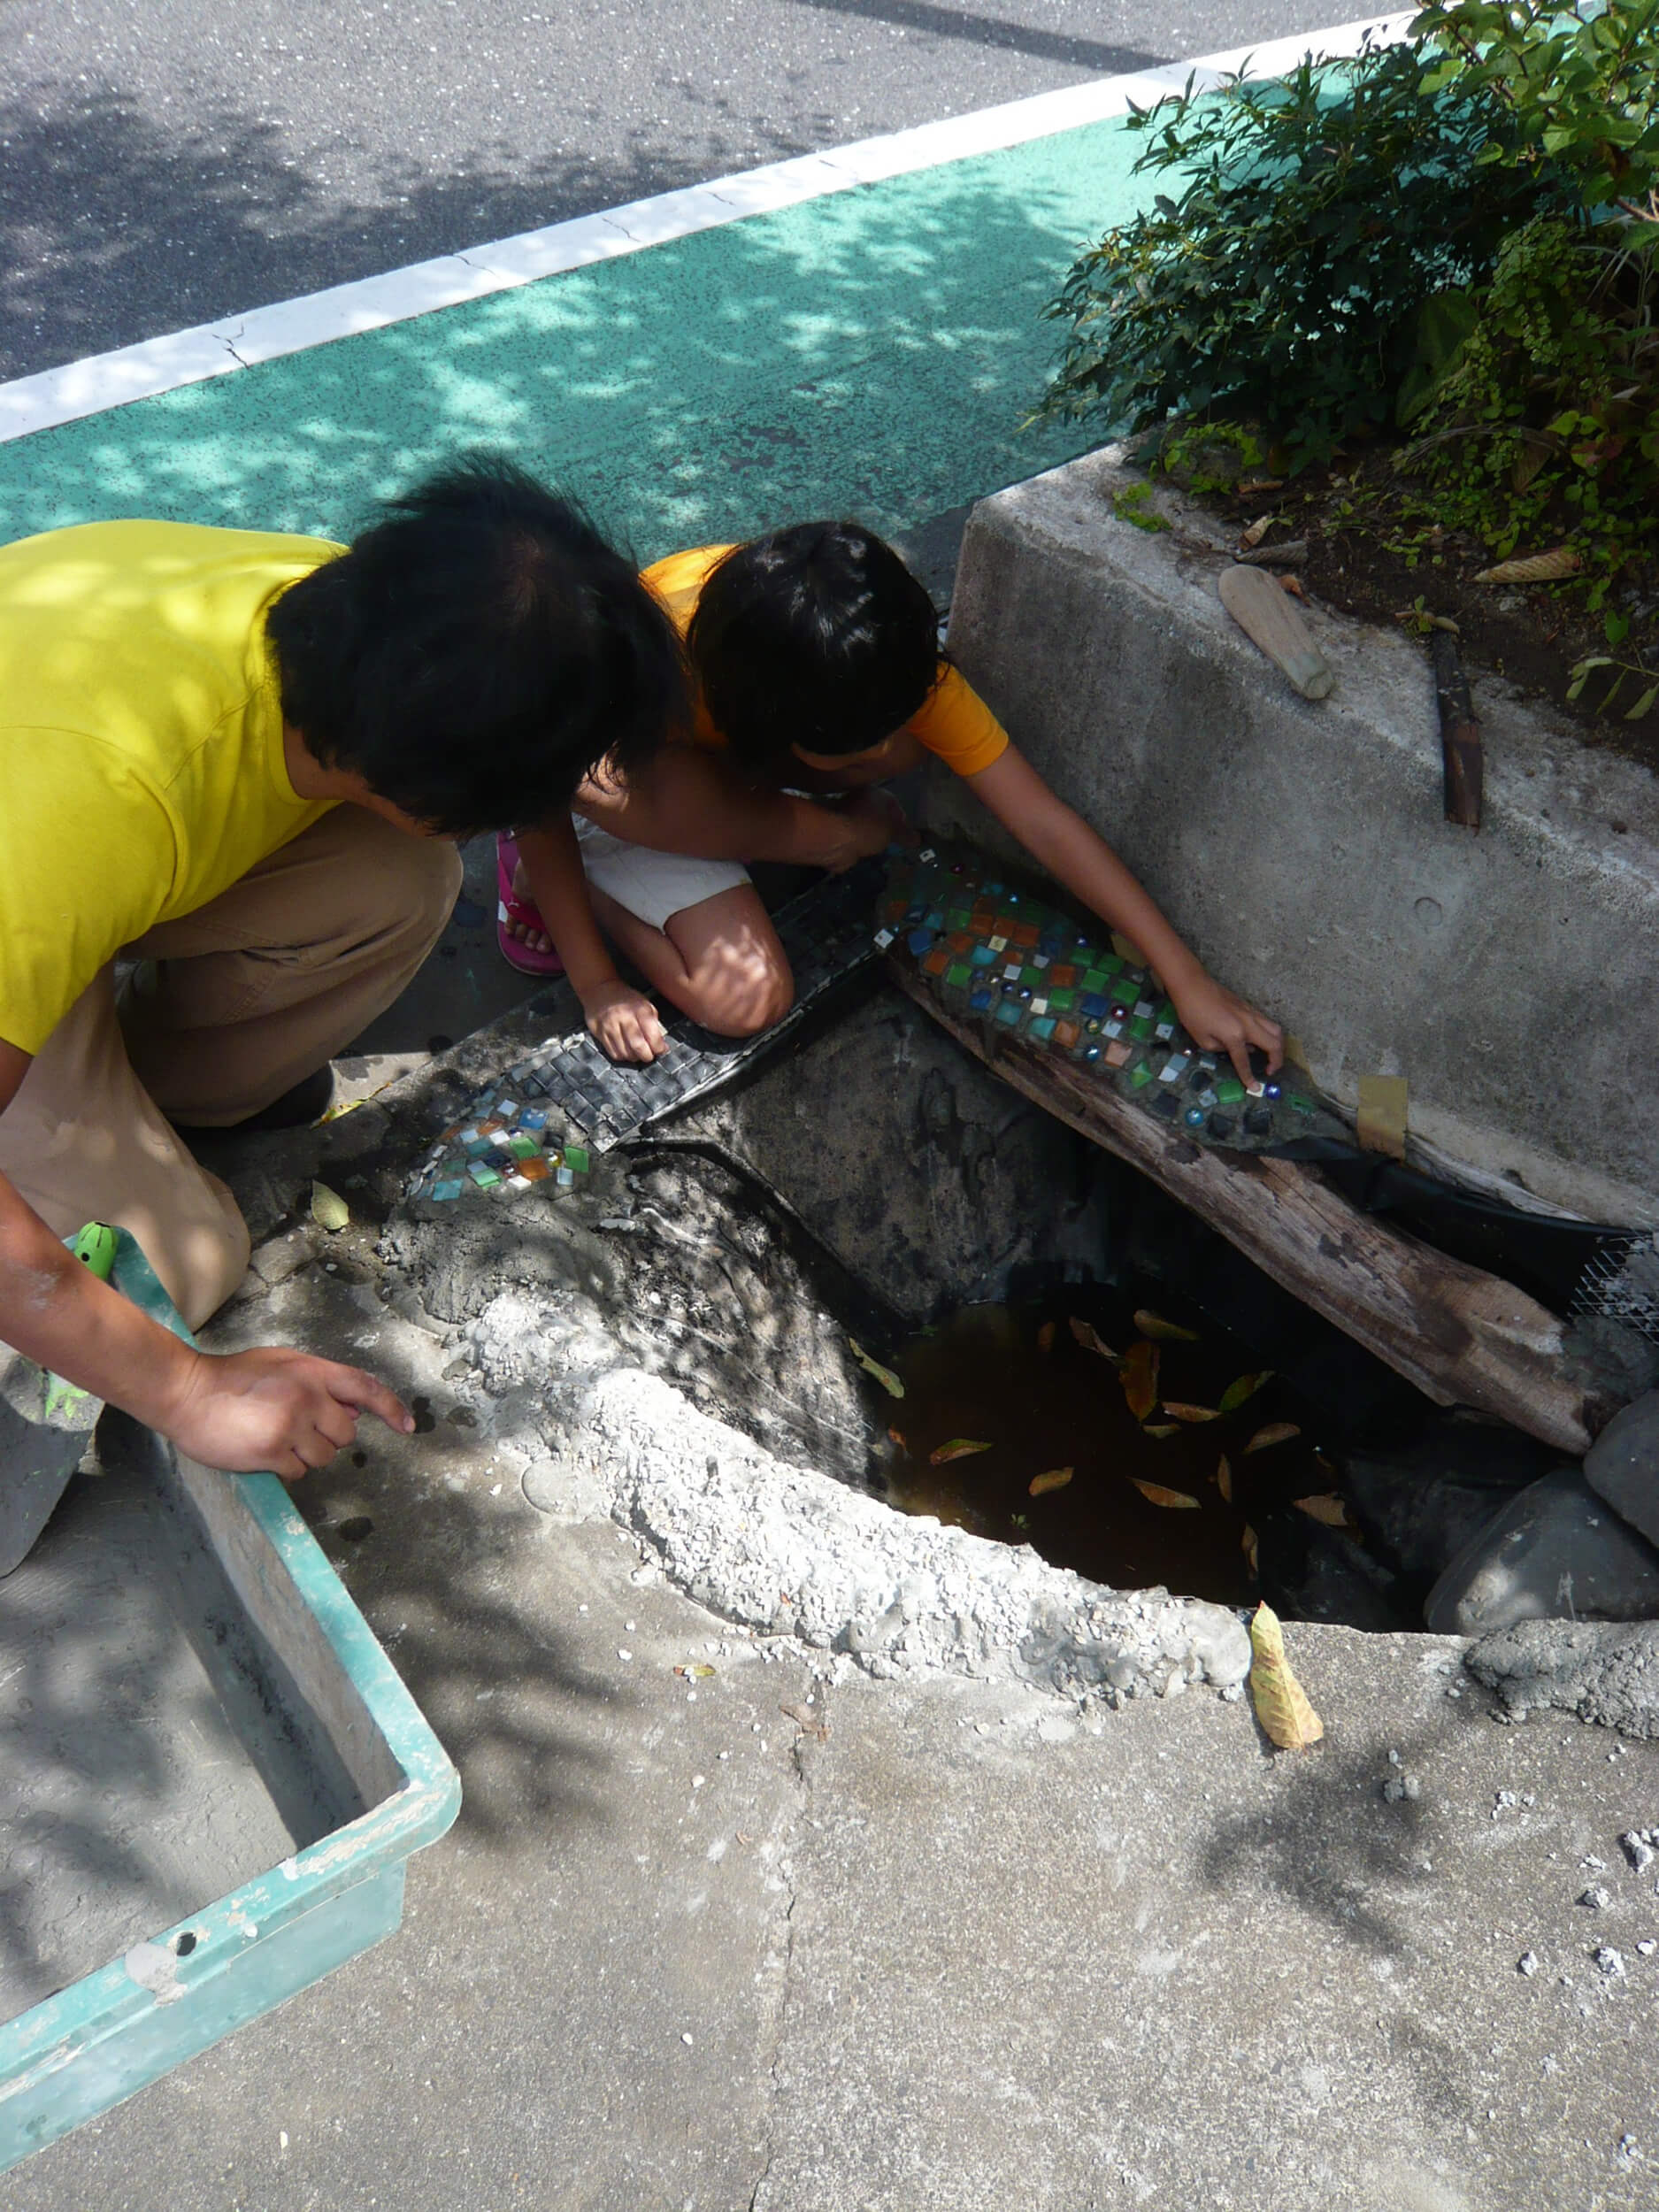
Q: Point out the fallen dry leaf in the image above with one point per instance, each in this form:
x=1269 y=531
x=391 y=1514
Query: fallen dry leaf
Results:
x=1188 y=1413
x=1056 y=1478
x=1293 y=585
x=694 y=1671
x=1247 y=1386
x=1090 y=1340
x=1140 y=1378
x=1154 y=1325
x=1281 y=1703
x=958 y=1448
x=1258 y=487
x=1258 y=530
x=1159 y=1428
x=1275 y=1432
x=1251 y=1549
x=1224 y=1479
x=885 y=1376
x=1045 y=1337
x=1155 y=1493
x=808 y=1723
x=1533 y=568
x=1328 y=1509
x=329 y=1210
x=893 y=1436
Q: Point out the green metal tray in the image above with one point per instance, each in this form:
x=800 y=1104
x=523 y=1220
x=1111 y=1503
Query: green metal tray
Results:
x=117 y=2029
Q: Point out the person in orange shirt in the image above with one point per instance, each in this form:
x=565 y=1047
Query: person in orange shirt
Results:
x=815 y=667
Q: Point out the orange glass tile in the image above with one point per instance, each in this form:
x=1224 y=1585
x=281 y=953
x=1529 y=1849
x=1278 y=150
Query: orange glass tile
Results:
x=534 y=1170
x=936 y=962
x=1025 y=933
x=1119 y=1053
x=1062 y=977
x=1067 y=1034
x=960 y=940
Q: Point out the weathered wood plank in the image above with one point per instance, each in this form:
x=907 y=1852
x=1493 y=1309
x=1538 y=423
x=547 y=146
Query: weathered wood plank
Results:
x=1463 y=1337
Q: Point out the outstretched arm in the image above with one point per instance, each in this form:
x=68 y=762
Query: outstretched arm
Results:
x=274 y=1407
x=622 y=1021
x=1064 y=844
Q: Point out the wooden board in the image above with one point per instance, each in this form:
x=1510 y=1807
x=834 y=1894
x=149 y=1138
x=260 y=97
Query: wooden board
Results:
x=1463 y=1337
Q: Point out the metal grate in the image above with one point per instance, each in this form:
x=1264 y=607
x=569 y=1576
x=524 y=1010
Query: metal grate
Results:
x=1622 y=1284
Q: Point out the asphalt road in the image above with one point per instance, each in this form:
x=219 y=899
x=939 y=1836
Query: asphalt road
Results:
x=165 y=162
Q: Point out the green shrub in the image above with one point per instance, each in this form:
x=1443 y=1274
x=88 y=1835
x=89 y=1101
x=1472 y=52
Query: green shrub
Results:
x=1285 y=280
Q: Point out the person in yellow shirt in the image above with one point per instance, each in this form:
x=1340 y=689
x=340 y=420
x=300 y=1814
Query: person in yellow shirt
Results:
x=815 y=665
x=243 y=758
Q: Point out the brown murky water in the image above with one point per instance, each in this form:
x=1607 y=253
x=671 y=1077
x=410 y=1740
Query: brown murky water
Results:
x=1031 y=1388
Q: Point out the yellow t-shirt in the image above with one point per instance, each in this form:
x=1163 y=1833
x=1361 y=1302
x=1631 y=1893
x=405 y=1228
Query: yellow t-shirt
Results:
x=953 y=721
x=141 y=770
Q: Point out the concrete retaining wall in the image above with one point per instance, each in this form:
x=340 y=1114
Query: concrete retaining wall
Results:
x=1511 y=976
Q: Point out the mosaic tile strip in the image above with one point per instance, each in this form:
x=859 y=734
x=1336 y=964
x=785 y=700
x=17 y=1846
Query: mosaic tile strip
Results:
x=989 y=953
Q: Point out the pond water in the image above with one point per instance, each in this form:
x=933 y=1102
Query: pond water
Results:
x=1172 y=1488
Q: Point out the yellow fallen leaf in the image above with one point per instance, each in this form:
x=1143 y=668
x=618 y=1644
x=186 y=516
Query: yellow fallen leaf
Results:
x=1281 y=1703
x=1159 y=1428
x=1056 y=1478
x=1188 y=1413
x=1223 y=1478
x=958 y=1448
x=1257 y=531
x=1533 y=568
x=1088 y=1339
x=885 y=1376
x=694 y=1672
x=895 y=1437
x=1329 y=1509
x=1140 y=1378
x=1275 y=1432
x=1151 y=1324
x=1251 y=1549
x=1235 y=1393
x=1155 y=1493
x=1045 y=1337
x=329 y=1210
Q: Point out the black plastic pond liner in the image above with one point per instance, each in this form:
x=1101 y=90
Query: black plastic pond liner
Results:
x=1543 y=1256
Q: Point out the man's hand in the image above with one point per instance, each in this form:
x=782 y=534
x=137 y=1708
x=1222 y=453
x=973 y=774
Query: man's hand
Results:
x=274 y=1409
x=624 y=1023
x=1219 y=1021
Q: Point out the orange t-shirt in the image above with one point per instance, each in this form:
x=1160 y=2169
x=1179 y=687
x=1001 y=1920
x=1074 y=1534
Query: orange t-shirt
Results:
x=953 y=721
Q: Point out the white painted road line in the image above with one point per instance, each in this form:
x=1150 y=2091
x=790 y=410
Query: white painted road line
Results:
x=188 y=356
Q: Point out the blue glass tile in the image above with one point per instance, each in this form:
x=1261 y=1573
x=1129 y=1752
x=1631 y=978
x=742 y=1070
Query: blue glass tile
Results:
x=919 y=941
x=1042 y=1028
x=1010 y=1013
x=1092 y=1005
x=980 y=999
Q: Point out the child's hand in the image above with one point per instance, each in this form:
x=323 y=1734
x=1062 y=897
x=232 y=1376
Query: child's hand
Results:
x=1219 y=1021
x=623 y=1024
x=870 y=822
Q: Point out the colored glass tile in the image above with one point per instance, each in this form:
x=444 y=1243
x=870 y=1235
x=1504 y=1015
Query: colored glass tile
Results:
x=1139 y=1077
x=490 y=1128
x=1025 y=934
x=960 y=942
x=485 y=1176
x=537 y=1169
x=958 y=917
x=1039 y=1004
x=934 y=918
x=564 y=1178
x=1141 y=1025
x=998 y=943
x=1207 y=1097
x=1174 y=1067
x=1042 y=1029
x=1065 y=1000
x=980 y=999
x=959 y=975
x=576 y=1157
x=479 y=1150
x=983 y=956
x=1092 y=1005
x=936 y=962
x=523 y=1146
x=918 y=941
x=1221 y=1126
x=1010 y=1013
x=1119 y=1053
x=1258 y=1122
x=1067 y=1034
x=1033 y=976
x=1093 y=979
x=1164 y=1032
x=1165 y=1107
x=1229 y=1090
x=1063 y=974
x=533 y=1118
x=446 y=1188
x=1145 y=1010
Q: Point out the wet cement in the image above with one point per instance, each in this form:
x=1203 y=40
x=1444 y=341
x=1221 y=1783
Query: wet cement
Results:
x=144 y=1769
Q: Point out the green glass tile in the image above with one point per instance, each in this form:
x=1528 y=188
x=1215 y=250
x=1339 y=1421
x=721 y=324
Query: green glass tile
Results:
x=1063 y=998
x=1032 y=976
x=486 y=1178
x=1092 y=979
x=523 y=1148
x=1141 y=1025
x=576 y=1158
x=1140 y=1076
x=958 y=917
x=1229 y=1090
x=958 y=975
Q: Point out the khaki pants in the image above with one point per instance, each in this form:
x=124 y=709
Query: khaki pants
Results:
x=232 y=1005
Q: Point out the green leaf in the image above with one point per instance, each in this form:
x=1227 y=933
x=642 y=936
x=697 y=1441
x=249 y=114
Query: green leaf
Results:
x=1642 y=705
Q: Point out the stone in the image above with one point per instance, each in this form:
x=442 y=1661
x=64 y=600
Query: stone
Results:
x=1554 y=1552
x=1621 y=1465
x=1419 y=1503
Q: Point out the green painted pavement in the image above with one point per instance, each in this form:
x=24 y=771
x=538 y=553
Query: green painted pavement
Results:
x=873 y=352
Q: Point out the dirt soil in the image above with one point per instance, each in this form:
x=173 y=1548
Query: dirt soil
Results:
x=1369 y=555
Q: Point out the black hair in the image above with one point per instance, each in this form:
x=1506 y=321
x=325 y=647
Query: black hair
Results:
x=476 y=652
x=817 y=635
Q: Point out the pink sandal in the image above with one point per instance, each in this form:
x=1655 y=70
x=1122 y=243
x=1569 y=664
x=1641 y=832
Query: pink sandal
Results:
x=509 y=907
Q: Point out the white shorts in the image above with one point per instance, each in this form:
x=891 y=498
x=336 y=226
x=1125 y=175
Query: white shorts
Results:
x=652 y=886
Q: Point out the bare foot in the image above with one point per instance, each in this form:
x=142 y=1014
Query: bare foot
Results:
x=537 y=940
